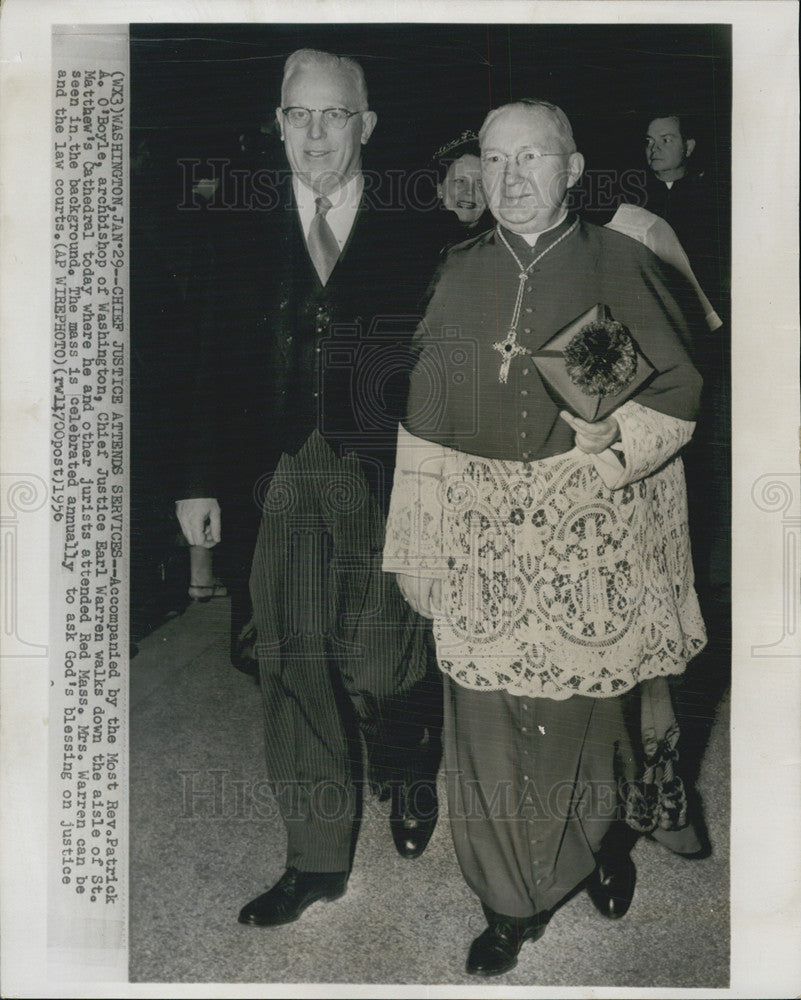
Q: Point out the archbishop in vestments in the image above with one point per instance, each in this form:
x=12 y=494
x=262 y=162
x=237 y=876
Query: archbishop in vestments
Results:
x=552 y=554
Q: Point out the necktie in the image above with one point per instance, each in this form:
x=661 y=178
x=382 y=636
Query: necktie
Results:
x=323 y=247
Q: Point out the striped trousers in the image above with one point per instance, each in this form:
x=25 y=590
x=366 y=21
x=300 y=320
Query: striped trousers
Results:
x=339 y=650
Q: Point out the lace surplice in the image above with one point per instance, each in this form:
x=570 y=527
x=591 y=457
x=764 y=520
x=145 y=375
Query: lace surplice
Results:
x=568 y=575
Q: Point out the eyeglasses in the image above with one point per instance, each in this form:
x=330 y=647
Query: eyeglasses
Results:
x=526 y=158
x=333 y=117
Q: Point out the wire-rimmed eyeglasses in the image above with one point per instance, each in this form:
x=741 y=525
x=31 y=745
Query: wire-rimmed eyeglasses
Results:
x=495 y=160
x=333 y=117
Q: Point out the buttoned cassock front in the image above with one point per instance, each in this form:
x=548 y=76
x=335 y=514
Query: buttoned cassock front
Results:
x=472 y=308
x=532 y=789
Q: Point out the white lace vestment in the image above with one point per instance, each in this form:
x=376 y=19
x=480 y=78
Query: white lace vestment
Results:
x=568 y=575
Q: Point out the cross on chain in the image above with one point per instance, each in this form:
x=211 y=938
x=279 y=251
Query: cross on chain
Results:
x=508 y=349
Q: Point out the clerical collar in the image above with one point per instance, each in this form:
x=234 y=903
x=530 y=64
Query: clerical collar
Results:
x=539 y=241
x=531 y=238
x=345 y=203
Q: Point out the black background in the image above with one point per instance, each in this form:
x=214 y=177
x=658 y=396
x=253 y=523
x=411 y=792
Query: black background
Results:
x=208 y=91
x=197 y=88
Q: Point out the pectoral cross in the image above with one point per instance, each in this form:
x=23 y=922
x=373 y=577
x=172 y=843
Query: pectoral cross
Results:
x=508 y=349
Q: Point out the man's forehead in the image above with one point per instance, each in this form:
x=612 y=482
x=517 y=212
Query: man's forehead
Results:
x=322 y=79
x=521 y=126
x=664 y=126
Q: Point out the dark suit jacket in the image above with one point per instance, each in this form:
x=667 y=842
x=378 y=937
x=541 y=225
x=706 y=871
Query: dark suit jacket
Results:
x=281 y=355
x=698 y=211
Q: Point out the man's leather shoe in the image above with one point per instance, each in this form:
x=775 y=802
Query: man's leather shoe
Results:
x=611 y=886
x=290 y=896
x=413 y=817
x=495 y=951
x=243 y=651
x=245 y=665
x=382 y=790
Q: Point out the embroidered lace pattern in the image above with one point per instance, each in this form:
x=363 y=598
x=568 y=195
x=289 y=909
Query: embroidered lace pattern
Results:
x=553 y=584
x=649 y=439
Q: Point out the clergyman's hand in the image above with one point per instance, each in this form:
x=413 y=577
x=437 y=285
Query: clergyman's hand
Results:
x=200 y=520
x=593 y=438
x=423 y=593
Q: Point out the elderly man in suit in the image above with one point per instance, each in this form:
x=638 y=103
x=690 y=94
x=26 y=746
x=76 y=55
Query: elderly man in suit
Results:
x=307 y=312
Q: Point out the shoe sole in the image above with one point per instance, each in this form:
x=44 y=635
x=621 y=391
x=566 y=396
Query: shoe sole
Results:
x=327 y=898
x=489 y=973
x=207 y=597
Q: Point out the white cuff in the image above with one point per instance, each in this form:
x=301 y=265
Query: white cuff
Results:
x=648 y=440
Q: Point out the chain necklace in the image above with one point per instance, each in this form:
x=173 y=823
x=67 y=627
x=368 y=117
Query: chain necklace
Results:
x=509 y=348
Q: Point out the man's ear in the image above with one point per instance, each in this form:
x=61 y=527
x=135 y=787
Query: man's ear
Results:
x=439 y=191
x=689 y=146
x=575 y=168
x=369 y=119
x=279 y=117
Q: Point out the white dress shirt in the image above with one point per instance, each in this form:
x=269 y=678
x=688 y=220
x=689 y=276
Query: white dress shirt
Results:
x=345 y=203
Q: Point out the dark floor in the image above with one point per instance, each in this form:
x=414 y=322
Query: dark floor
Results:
x=205 y=839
